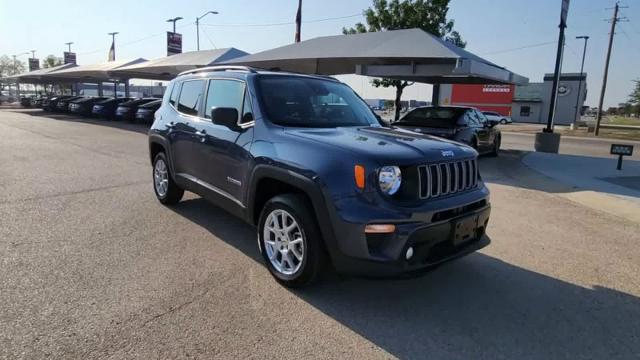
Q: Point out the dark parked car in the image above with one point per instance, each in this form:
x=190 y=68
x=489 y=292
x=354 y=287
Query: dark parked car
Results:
x=127 y=110
x=107 y=108
x=84 y=106
x=146 y=112
x=306 y=161
x=51 y=102
x=25 y=101
x=63 y=104
x=462 y=124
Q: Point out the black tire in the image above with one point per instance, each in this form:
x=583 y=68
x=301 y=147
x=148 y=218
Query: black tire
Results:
x=174 y=193
x=314 y=255
x=496 y=147
x=503 y=121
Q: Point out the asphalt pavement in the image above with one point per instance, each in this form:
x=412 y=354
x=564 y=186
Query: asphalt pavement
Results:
x=92 y=266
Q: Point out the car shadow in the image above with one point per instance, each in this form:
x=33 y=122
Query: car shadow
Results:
x=123 y=125
x=476 y=307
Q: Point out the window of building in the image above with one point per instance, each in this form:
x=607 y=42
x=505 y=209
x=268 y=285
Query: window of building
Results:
x=525 y=110
x=190 y=97
x=226 y=94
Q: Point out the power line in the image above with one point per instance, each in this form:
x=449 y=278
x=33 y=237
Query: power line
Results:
x=283 y=23
x=520 y=48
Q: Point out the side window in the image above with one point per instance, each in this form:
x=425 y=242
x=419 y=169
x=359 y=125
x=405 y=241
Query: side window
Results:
x=483 y=119
x=247 y=112
x=175 y=89
x=190 y=97
x=470 y=118
x=224 y=93
x=525 y=111
x=415 y=115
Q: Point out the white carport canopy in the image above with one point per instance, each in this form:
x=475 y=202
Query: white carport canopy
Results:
x=410 y=54
x=167 y=68
x=37 y=76
x=91 y=73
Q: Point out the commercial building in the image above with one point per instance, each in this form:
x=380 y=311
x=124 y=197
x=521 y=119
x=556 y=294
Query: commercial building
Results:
x=524 y=103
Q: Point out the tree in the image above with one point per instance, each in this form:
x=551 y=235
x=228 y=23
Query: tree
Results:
x=634 y=98
x=51 y=61
x=428 y=15
x=10 y=67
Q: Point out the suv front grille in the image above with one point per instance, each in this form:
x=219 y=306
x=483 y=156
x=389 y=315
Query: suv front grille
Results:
x=447 y=178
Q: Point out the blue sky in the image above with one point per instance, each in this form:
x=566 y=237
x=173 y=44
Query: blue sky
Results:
x=492 y=29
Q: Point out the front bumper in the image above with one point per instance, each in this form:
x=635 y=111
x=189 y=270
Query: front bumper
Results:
x=429 y=230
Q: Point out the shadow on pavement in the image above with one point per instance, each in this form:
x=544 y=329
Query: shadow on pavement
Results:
x=123 y=125
x=476 y=307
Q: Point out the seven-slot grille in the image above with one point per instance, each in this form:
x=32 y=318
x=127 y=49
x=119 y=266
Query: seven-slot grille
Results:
x=447 y=178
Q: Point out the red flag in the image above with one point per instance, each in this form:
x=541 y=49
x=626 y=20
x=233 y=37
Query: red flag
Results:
x=298 y=21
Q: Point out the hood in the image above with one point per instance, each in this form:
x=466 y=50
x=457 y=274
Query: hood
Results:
x=387 y=145
x=442 y=132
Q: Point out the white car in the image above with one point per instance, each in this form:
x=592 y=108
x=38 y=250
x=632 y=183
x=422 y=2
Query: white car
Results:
x=497 y=117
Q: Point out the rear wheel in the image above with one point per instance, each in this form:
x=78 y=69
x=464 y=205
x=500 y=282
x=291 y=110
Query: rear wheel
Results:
x=503 y=121
x=496 y=146
x=167 y=191
x=290 y=241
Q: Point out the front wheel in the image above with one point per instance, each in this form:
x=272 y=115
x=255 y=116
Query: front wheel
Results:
x=503 y=121
x=496 y=147
x=290 y=241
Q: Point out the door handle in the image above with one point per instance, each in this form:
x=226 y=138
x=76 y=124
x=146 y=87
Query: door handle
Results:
x=202 y=134
x=170 y=125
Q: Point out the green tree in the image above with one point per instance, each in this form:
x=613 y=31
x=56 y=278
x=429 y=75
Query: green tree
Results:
x=10 y=67
x=51 y=61
x=428 y=15
x=634 y=98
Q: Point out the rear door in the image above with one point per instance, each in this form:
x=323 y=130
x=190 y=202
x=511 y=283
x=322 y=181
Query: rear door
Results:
x=186 y=105
x=489 y=132
x=223 y=157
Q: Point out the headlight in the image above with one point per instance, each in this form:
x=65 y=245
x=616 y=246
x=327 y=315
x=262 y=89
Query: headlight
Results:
x=389 y=179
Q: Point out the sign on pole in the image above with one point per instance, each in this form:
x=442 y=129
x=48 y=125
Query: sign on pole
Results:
x=34 y=64
x=69 y=57
x=565 y=11
x=174 y=43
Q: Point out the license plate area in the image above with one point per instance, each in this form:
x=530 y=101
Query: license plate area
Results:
x=465 y=229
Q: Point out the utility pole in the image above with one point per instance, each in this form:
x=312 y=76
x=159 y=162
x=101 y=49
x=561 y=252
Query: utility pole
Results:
x=614 y=20
x=298 y=22
x=584 y=52
x=33 y=54
x=69 y=45
x=198 y=26
x=112 y=51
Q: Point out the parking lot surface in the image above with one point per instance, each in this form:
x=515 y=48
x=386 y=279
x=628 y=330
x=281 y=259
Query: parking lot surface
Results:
x=92 y=266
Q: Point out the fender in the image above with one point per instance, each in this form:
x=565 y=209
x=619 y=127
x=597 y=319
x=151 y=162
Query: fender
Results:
x=311 y=188
x=155 y=138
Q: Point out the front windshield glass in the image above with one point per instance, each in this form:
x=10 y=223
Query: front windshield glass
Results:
x=432 y=117
x=307 y=102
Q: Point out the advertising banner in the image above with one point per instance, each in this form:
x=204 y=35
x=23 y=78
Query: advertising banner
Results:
x=174 y=43
x=69 y=57
x=34 y=64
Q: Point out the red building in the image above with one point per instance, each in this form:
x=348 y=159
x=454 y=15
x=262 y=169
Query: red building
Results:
x=496 y=98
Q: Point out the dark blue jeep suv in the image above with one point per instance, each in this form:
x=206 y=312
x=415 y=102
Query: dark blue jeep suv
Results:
x=306 y=161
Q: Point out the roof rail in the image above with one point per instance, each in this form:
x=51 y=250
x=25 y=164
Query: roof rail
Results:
x=218 y=68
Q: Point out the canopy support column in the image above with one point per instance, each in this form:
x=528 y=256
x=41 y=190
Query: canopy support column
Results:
x=435 y=96
x=126 y=88
x=100 y=93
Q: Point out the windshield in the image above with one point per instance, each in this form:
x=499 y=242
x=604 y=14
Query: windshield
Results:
x=433 y=117
x=307 y=102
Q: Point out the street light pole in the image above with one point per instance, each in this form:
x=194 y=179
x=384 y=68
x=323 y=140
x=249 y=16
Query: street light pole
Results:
x=113 y=43
x=198 y=26
x=174 y=22
x=33 y=54
x=69 y=45
x=584 y=52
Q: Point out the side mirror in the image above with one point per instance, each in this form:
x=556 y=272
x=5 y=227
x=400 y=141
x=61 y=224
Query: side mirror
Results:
x=248 y=117
x=225 y=116
x=493 y=123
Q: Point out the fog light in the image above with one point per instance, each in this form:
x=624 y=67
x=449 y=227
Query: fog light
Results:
x=409 y=253
x=379 y=228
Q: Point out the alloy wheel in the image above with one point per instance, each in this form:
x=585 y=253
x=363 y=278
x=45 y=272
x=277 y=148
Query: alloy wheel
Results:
x=284 y=242
x=161 y=178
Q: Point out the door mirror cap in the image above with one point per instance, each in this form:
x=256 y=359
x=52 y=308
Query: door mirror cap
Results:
x=225 y=116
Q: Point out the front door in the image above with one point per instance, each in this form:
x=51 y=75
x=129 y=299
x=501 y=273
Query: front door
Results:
x=222 y=153
x=483 y=131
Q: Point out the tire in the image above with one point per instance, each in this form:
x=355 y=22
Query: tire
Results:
x=304 y=240
x=503 y=121
x=173 y=193
x=496 y=147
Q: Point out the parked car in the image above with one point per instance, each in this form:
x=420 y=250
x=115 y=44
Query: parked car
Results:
x=463 y=124
x=107 y=108
x=36 y=101
x=491 y=115
x=50 y=103
x=306 y=161
x=146 y=112
x=25 y=101
x=127 y=110
x=84 y=106
x=63 y=104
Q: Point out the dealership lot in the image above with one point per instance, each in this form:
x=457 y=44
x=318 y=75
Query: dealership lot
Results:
x=94 y=267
